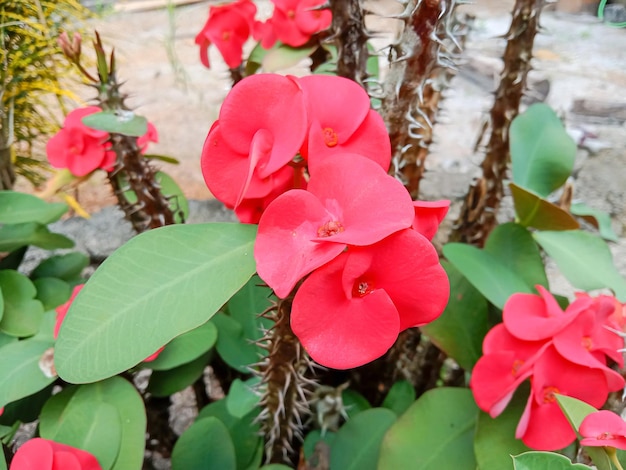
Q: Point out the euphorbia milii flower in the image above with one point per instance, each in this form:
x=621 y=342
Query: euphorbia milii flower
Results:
x=228 y=27
x=428 y=216
x=62 y=309
x=603 y=429
x=350 y=311
x=293 y=22
x=79 y=148
x=543 y=425
x=261 y=126
x=350 y=200
x=43 y=454
x=340 y=121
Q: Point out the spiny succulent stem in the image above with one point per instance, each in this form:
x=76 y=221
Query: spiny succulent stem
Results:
x=478 y=215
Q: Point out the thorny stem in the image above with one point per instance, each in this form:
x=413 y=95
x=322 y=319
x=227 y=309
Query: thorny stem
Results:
x=420 y=70
x=478 y=215
x=285 y=389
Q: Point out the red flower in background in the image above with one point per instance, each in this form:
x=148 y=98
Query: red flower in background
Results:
x=43 y=454
x=228 y=28
x=293 y=22
x=428 y=216
x=603 y=429
x=341 y=121
x=62 y=309
x=350 y=200
x=351 y=310
x=79 y=148
x=260 y=128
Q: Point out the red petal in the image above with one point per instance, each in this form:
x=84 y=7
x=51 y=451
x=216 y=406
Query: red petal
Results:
x=265 y=101
x=286 y=29
x=56 y=149
x=74 y=120
x=310 y=20
x=65 y=461
x=428 y=216
x=340 y=332
x=370 y=204
x=548 y=428
x=603 y=428
x=285 y=249
x=86 y=460
x=88 y=160
x=35 y=454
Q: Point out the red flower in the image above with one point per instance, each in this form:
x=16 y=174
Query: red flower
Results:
x=151 y=135
x=603 y=429
x=78 y=147
x=43 y=454
x=293 y=22
x=543 y=425
x=62 y=309
x=261 y=126
x=428 y=216
x=340 y=121
x=228 y=27
x=350 y=201
x=350 y=311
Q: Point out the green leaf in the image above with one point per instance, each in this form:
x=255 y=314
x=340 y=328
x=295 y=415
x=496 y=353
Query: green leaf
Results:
x=514 y=246
x=17 y=236
x=83 y=421
x=542 y=153
x=157 y=286
x=17 y=208
x=495 y=440
x=437 y=431
x=599 y=219
x=357 y=443
x=27 y=409
x=185 y=348
x=233 y=346
x=177 y=201
x=168 y=382
x=117 y=122
x=206 y=444
x=584 y=259
x=67 y=267
x=241 y=398
x=282 y=57
x=52 y=292
x=274 y=466
x=3 y=462
x=20 y=374
x=400 y=397
x=163 y=158
x=353 y=402
x=495 y=280
x=545 y=461
x=534 y=211
x=460 y=329
x=22 y=312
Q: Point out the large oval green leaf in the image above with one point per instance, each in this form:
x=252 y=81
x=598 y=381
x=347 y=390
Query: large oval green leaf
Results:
x=20 y=374
x=17 y=208
x=206 y=444
x=159 y=285
x=515 y=247
x=545 y=461
x=494 y=279
x=356 y=445
x=584 y=259
x=542 y=153
x=22 y=312
x=437 y=431
x=460 y=329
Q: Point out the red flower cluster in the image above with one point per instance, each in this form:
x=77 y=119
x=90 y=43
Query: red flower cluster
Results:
x=561 y=352
x=82 y=149
x=354 y=231
x=43 y=454
x=229 y=26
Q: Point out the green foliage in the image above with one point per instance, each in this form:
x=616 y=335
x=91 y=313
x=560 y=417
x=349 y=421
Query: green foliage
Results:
x=544 y=461
x=22 y=312
x=599 y=219
x=206 y=444
x=67 y=267
x=18 y=208
x=542 y=153
x=400 y=397
x=437 y=431
x=537 y=212
x=117 y=122
x=203 y=264
x=168 y=382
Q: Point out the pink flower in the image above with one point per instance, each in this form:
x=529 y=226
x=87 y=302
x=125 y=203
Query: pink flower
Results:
x=43 y=454
x=603 y=429
x=293 y=22
x=350 y=311
x=350 y=200
x=154 y=355
x=260 y=128
x=428 y=216
x=341 y=121
x=78 y=147
x=62 y=309
x=151 y=135
x=543 y=425
x=228 y=27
